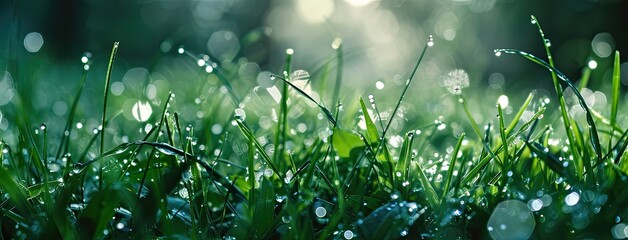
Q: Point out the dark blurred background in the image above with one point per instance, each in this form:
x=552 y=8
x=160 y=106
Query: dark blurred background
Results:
x=147 y=28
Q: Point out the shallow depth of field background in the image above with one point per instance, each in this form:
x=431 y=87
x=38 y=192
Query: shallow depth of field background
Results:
x=43 y=42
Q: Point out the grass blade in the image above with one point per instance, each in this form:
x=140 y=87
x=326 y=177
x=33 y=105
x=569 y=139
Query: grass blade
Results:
x=428 y=189
x=328 y=114
x=249 y=135
x=452 y=166
x=339 y=68
x=517 y=117
x=502 y=134
x=429 y=43
x=114 y=50
x=371 y=129
x=63 y=145
x=616 y=86
x=403 y=165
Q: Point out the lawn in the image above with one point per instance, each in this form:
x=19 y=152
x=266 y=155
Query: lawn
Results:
x=208 y=146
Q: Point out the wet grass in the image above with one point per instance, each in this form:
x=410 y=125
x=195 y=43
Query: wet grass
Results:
x=310 y=173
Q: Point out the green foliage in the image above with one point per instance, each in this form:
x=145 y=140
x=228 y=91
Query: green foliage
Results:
x=308 y=172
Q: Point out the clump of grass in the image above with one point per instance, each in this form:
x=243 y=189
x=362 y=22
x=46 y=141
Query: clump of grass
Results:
x=513 y=178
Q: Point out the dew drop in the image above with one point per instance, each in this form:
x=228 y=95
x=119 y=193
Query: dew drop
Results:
x=548 y=43
x=320 y=212
x=268 y=172
x=379 y=85
x=86 y=58
x=348 y=234
x=532 y=19
x=592 y=64
x=289 y=51
x=572 y=199
x=336 y=43
x=240 y=114
x=181 y=50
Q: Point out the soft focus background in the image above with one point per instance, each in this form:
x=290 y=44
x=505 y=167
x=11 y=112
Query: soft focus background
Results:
x=44 y=46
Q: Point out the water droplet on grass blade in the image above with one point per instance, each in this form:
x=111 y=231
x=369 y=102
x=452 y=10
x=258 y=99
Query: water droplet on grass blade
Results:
x=289 y=51
x=532 y=19
x=86 y=57
x=336 y=43
x=430 y=41
x=548 y=43
x=240 y=114
x=592 y=64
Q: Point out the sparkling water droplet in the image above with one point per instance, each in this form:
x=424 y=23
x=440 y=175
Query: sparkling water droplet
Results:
x=430 y=41
x=336 y=43
x=286 y=219
x=532 y=19
x=42 y=126
x=320 y=212
x=181 y=50
x=548 y=43
x=86 y=58
x=498 y=53
x=289 y=51
x=379 y=85
x=268 y=172
x=240 y=114
x=348 y=234
x=592 y=64
x=572 y=199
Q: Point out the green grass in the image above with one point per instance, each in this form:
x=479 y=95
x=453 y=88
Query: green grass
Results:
x=317 y=171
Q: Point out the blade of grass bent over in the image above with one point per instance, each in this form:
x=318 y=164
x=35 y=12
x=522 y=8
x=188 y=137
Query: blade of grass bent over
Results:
x=595 y=139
